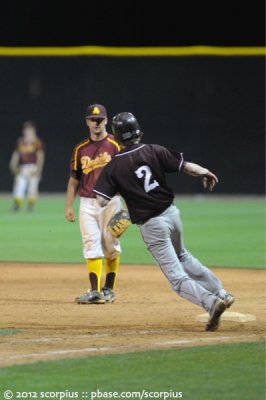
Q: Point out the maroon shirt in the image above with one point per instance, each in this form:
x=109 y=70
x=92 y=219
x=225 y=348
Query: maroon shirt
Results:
x=28 y=151
x=88 y=160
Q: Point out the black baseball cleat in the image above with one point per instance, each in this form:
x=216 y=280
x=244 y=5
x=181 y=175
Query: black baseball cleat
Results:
x=218 y=308
x=15 y=208
x=90 y=297
x=108 y=295
x=229 y=299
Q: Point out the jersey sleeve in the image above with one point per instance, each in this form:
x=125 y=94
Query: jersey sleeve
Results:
x=170 y=159
x=75 y=166
x=105 y=185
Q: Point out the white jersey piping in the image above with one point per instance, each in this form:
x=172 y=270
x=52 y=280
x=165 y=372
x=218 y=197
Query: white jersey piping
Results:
x=181 y=162
x=102 y=194
x=131 y=151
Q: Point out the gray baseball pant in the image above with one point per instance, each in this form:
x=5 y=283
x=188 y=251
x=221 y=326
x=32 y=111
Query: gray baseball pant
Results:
x=193 y=281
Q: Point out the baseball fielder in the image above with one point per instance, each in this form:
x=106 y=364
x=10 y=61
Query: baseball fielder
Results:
x=88 y=160
x=138 y=174
x=26 y=165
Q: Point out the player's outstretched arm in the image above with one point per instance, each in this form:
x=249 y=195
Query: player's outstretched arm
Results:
x=209 y=180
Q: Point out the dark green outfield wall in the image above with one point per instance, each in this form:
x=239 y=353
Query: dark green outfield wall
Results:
x=210 y=108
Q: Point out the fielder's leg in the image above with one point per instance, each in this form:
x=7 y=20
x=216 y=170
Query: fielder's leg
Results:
x=111 y=248
x=33 y=184
x=19 y=189
x=89 y=215
x=111 y=270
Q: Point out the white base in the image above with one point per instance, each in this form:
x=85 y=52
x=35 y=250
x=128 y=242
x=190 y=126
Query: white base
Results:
x=229 y=316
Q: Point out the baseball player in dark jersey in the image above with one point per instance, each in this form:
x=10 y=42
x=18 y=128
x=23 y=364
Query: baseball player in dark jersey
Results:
x=137 y=172
x=26 y=164
x=88 y=160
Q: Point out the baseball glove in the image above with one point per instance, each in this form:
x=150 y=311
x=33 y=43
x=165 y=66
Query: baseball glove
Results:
x=119 y=222
x=209 y=180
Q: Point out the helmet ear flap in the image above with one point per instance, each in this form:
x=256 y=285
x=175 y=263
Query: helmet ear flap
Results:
x=126 y=136
x=125 y=127
x=131 y=135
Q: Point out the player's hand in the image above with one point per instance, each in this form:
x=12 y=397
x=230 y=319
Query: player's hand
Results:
x=209 y=180
x=69 y=214
x=15 y=171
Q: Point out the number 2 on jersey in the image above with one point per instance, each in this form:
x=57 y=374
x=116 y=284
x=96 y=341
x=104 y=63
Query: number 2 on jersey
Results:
x=149 y=183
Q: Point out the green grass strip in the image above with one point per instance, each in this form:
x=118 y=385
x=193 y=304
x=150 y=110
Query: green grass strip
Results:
x=235 y=371
x=11 y=331
x=220 y=233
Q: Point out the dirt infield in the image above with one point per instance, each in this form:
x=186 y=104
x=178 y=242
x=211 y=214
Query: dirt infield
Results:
x=37 y=302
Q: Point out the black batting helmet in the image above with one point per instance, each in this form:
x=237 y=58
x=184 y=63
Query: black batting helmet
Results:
x=125 y=127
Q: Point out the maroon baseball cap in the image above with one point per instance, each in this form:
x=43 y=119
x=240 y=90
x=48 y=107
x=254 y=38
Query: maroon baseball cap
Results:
x=96 y=111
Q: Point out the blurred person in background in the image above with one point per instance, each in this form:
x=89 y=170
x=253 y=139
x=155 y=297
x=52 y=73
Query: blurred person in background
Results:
x=26 y=165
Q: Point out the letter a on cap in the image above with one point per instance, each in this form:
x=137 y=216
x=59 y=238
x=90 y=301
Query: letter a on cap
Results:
x=96 y=111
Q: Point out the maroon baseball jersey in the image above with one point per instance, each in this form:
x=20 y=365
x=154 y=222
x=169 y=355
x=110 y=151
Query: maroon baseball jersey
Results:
x=28 y=150
x=88 y=159
x=138 y=174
